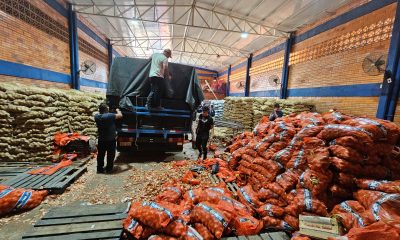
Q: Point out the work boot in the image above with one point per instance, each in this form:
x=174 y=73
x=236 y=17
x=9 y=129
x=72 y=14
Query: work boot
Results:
x=100 y=170
x=205 y=156
x=199 y=155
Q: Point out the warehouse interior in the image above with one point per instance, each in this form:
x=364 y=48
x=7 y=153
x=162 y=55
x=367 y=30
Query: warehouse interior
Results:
x=302 y=95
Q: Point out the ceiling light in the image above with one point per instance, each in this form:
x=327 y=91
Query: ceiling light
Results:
x=244 y=34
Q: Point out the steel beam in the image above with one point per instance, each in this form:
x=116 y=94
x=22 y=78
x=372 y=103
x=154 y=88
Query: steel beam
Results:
x=228 y=83
x=110 y=54
x=221 y=20
x=247 y=85
x=285 y=69
x=391 y=80
x=73 y=48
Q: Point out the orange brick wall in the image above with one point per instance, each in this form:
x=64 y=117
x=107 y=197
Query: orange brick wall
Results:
x=237 y=80
x=330 y=59
x=34 y=82
x=25 y=40
x=26 y=44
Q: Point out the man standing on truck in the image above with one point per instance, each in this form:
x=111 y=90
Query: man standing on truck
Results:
x=206 y=123
x=158 y=72
x=106 y=131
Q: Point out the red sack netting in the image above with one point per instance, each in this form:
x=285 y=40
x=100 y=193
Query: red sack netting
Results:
x=333 y=131
x=366 y=197
x=335 y=117
x=151 y=214
x=288 y=179
x=203 y=231
x=248 y=197
x=135 y=229
x=270 y=210
x=247 y=226
x=315 y=181
x=380 y=230
x=13 y=200
x=210 y=216
x=170 y=194
x=304 y=202
x=161 y=237
x=352 y=214
x=276 y=224
x=382 y=186
x=49 y=170
x=347 y=154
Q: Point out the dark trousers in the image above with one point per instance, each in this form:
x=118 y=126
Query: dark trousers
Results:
x=103 y=148
x=154 y=98
x=201 y=143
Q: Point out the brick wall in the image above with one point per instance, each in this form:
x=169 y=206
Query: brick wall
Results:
x=25 y=41
x=35 y=43
x=335 y=57
x=327 y=68
x=237 y=80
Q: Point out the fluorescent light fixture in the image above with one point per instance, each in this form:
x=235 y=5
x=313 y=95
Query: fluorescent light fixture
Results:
x=244 y=34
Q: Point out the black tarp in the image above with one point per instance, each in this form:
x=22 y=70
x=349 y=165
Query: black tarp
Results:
x=129 y=78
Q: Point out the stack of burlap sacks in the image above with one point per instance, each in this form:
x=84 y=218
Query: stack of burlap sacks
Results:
x=249 y=110
x=218 y=108
x=31 y=116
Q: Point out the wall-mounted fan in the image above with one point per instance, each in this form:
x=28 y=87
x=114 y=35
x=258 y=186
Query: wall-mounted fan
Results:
x=240 y=85
x=275 y=82
x=374 y=63
x=88 y=67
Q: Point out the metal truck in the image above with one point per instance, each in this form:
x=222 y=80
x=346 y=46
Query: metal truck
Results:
x=143 y=130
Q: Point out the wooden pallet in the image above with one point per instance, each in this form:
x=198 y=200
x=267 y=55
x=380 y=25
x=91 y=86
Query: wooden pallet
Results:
x=232 y=186
x=80 y=222
x=262 y=236
x=11 y=169
x=55 y=183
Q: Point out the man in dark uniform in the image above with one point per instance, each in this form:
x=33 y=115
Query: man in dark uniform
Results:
x=277 y=113
x=106 y=131
x=206 y=123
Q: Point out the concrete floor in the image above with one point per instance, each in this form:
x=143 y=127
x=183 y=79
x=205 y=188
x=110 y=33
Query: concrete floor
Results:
x=92 y=188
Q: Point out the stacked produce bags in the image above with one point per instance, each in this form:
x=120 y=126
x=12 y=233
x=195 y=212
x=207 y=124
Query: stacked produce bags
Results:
x=218 y=108
x=32 y=116
x=311 y=163
x=308 y=163
x=249 y=110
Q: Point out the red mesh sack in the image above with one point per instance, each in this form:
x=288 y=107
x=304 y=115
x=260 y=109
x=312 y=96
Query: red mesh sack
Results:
x=304 y=202
x=367 y=197
x=300 y=237
x=270 y=210
x=211 y=194
x=210 y=216
x=333 y=131
x=278 y=189
x=334 y=117
x=288 y=179
x=170 y=194
x=256 y=168
x=19 y=199
x=318 y=158
x=248 y=197
x=203 y=231
x=274 y=148
x=345 y=166
x=278 y=202
x=292 y=221
x=136 y=230
x=193 y=234
x=392 y=129
x=345 y=180
x=298 y=160
x=386 y=208
x=235 y=208
x=313 y=142
x=382 y=186
x=251 y=152
x=151 y=214
x=352 y=214
x=380 y=230
x=283 y=156
x=377 y=130
x=338 y=191
x=264 y=194
x=175 y=228
x=161 y=237
x=347 y=154
x=277 y=224
x=375 y=171
x=353 y=143
x=247 y=226
x=315 y=181
x=309 y=131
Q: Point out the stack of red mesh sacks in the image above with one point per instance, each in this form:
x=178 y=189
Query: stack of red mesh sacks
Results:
x=307 y=163
x=202 y=213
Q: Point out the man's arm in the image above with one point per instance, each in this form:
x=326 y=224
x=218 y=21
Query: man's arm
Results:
x=118 y=115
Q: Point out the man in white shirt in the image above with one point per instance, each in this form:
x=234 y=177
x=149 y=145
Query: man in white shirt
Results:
x=158 y=72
